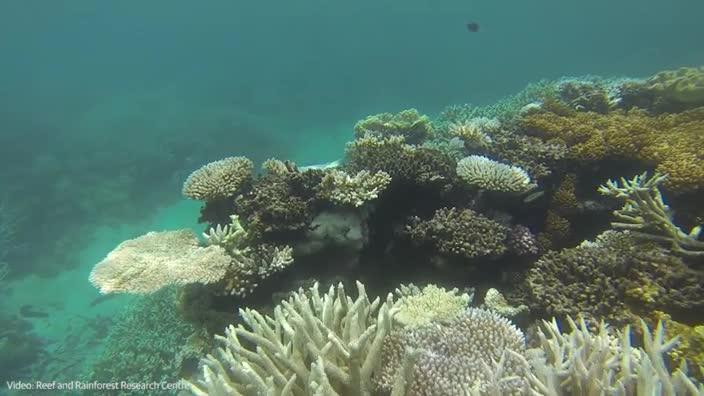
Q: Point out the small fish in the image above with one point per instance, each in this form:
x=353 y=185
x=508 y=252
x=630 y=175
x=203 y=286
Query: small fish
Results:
x=28 y=311
x=473 y=27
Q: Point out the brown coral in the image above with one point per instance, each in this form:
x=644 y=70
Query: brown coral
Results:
x=402 y=161
x=279 y=202
x=461 y=232
x=614 y=278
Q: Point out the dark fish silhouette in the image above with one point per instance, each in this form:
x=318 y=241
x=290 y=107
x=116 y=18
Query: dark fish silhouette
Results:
x=473 y=27
x=28 y=311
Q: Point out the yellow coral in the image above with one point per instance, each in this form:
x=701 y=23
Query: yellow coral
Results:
x=691 y=342
x=674 y=143
x=684 y=85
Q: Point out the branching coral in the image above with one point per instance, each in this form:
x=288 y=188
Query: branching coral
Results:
x=646 y=215
x=250 y=265
x=148 y=342
x=490 y=175
x=673 y=143
x=584 y=362
x=462 y=232
x=219 y=179
x=157 y=259
x=339 y=187
x=476 y=132
x=691 y=342
x=314 y=344
x=410 y=124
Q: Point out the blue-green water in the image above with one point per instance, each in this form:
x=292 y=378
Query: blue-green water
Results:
x=106 y=107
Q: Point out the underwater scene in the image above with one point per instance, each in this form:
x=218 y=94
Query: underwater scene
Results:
x=371 y=198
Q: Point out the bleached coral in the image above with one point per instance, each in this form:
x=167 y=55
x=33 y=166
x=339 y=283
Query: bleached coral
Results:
x=230 y=236
x=218 y=179
x=313 y=345
x=588 y=362
x=157 y=259
x=487 y=174
x=647 y=216
x=344 y=189
x=418 y=307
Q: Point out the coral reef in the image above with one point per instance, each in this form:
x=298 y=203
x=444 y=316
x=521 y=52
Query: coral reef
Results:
x=670 y=142
x=682 y=86
x=149 y=343
x=461 y=232
x=339 y=187
x=157 y=259
x=410 y=124
x=614 y=278
x=219 y=179
x=315 y=344
x=487 y=174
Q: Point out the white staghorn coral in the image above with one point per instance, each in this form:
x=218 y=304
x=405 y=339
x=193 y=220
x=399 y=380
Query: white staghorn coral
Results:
x=487 y=174
x=647 y=216
x=218 y=179
x=315 y=344
x=157 y=259
x=588 y=362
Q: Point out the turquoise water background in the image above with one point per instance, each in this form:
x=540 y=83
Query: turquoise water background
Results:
x=106 y=107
